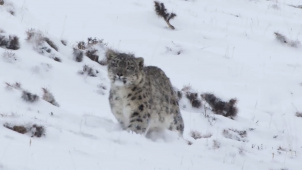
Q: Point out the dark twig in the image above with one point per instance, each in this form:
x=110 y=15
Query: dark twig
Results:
x=162 y=12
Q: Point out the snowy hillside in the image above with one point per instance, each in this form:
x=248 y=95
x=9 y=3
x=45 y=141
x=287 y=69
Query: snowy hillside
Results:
x=58 y=102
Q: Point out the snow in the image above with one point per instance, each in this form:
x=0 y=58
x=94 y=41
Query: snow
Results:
x=227 y=48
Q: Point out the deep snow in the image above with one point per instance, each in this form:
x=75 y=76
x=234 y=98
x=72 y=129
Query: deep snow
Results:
x=224 y=47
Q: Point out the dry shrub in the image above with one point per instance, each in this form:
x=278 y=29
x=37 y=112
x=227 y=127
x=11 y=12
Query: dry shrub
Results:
x=197 y=135
x=161 y=11
x=87 y=70
x=296 y=6
x=78 y=54
x=216 y=144
x=47 y=96
x=92 y=49
x=35 y=130
x=284 y=40
x=192 y=96
x=235 y=134
x=9 y=57
x=64 y=42
x=13 y=86
x=29 y=97
x=42 y=44
x=92 y=55
x=17 y=128
x=40 y=41
x=50 y=43
x=299 y=114
x=227 y=109
x=56 y=59
x=11 y=42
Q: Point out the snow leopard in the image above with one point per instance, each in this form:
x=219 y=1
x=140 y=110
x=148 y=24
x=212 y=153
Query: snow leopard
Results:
x=142 y=98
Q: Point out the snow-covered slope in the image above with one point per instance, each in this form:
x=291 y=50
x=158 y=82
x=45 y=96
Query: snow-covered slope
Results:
x=227 y=48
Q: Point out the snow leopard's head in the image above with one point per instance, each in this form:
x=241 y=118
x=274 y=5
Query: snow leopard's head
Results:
x=124 y=69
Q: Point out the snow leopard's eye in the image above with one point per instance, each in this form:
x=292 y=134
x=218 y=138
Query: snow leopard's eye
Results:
x=130 y=68
x=114 y=63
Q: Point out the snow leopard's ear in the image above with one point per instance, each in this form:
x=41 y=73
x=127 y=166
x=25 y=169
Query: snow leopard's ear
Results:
x=140 y=62
x=110 y=54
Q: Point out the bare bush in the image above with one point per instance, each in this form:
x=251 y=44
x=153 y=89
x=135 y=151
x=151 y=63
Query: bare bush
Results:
x=29 y=97
x=91 y=53
x=220 y=107
x=192 y=96
x=50 y=43
x=81 y=45
x=197 y=135
x=3 y=41
x=54 y=57
x=34 y=36
x=35 y=130
x=78 y=54
x=64 y=42
x=9 y=57
x=47 y=96
x=296 y=6
x=101 y=89
x=11 y=42
x=161 y=11
x=91 y=42
x=11 y=11
x=17 y=128
x=299 y=114
x=9 y=7
x=92 y=49
x=42 y=44
x=235 y=134
x=87 y=70
x=94 y=41
x=37 y=38
x=216 y=144
x=284 y=40
x=13 y=86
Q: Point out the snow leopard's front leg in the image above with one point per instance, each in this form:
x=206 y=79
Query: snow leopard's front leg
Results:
x=139 y=119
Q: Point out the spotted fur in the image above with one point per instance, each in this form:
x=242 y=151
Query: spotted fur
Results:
x=141 y=98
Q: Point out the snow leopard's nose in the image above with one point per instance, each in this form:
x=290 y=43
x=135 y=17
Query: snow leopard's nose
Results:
x=119 y=75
